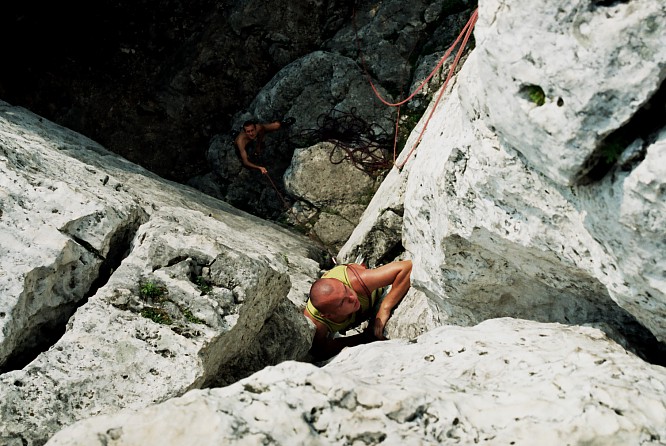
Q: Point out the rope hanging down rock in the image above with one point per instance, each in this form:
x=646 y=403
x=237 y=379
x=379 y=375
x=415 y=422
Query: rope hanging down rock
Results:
x=464 y=36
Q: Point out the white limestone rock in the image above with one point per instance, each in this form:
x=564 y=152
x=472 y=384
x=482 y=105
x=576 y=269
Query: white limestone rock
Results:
x=505 y=381
x=234 y=286
x=597 y=64
x=415 y=316
x=57 y=229
x=491 y=237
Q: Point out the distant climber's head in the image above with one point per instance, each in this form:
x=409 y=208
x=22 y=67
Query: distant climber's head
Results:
x=250 y=128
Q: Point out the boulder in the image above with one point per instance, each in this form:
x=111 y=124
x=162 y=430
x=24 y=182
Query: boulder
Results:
x=332 y=188
x=574 y=75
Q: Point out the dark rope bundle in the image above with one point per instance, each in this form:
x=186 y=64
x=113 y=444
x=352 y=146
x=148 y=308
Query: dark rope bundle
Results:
x=367 y=150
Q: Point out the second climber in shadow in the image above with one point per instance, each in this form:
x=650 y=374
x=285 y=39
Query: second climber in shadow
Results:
x=251 y=139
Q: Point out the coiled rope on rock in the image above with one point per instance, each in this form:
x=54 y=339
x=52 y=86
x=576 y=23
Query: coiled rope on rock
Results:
x=364 y=144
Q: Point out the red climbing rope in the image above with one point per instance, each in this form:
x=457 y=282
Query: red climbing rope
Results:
x=395 y=135
x=468 y=26
x=464 y=35
x=468 y=32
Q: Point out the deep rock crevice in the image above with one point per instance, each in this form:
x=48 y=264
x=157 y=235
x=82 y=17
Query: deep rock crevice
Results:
x=50 y=323
x=642 y=127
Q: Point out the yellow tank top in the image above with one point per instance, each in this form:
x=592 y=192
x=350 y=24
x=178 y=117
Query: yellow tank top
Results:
x=340 y=273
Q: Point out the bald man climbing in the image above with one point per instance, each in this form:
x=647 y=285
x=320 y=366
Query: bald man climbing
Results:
x=346 y=296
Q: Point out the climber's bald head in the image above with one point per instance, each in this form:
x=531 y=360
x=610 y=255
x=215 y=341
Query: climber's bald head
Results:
x=320 y=292
x=333 y=298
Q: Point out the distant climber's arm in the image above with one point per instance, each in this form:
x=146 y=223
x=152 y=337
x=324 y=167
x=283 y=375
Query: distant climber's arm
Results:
x=272 y=126
x=241 y=143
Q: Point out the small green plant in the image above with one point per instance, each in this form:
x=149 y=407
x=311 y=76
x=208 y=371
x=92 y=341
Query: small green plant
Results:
x=190 y=317
x=157 y=315
x=150 y=290
x=535 y=94
x=611 y=152
x=204 y=286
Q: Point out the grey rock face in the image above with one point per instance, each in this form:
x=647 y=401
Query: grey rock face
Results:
x=317 y=85
x=314 y=85
x=328 y=83
x=332 y=191
x=385 y=36
x=155 y=89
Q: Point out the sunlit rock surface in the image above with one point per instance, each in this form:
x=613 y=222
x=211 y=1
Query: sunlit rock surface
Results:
x=505 y=381
x=169 y=289
x=492 y=236
x=573 y=75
